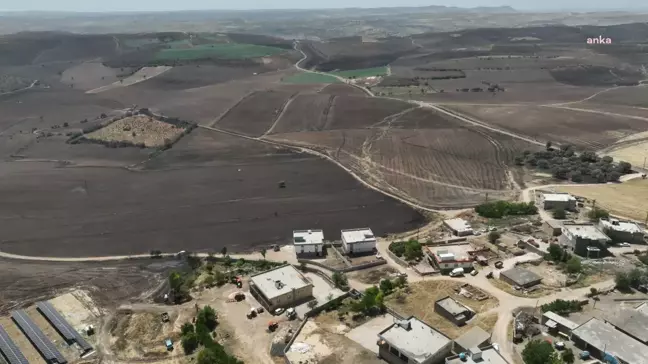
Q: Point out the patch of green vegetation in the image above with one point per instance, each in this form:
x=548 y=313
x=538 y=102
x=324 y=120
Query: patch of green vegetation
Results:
x=499 y=209
x=362 y=73
x=410 y=250
x=179 y=44
x=307 y=78
x=562 y=307
x=139 y=42
x=223 y=51
x=201 y=334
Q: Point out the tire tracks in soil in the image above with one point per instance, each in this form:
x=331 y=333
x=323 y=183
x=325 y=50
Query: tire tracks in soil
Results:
x=284 y=107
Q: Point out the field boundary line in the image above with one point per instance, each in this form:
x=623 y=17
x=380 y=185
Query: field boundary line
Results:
x=284 y=107
x=229 y=109
x=597 y=112
x=20 y=89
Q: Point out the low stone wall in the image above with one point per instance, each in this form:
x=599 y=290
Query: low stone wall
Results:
x=374 y=263
x=292 y=340
x=398 y=260
x=531 y=248
x=450 y=241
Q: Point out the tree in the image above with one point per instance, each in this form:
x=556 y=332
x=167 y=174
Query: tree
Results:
x=386 y=286
x=186 y=328
x=340 y=280
x=537 y=352
x=224 y=251
x=574 y=265
x=208 y=356
x=494 y=236
x=189 y=342
x=548 y=145
x=597 y=213
x=622 y=281
x=543 y=164
x=559 y=214
x=263 y=253
x=207 y=316
x=401 y=281
x=175 y=280
x=568 y=356
x=636 y=277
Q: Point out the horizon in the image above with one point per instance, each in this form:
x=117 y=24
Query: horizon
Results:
x=150 y=6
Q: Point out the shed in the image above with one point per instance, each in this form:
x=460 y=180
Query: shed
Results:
x=520 y=277
x=473 y=338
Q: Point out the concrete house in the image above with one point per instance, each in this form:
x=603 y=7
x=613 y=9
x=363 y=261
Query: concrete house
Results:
x=622 y=231
x=486 y=355
x=411 y=341
x=458 y=227
x=630 y=321
x=283 y=286
x=602 y=339
x=308 y=243
x=518 y=276
x=551 y=201
x=358 y=241
x=584 y=239
x=447 y=258
x=454 y=311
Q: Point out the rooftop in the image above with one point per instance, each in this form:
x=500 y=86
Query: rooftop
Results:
x=455 y=308
x=358 y=235
x=586 y=231
x=473 y=338
x=279 y=281
x=488 y=356
x=631 y=321
x=618 y=225
x=560 y=320
x=521 y=276
x=418 y=341
x=452 y=253
x=554 y=223
x=558 y=197
x=604 y=336
x=643 y=308
x=458 y=224
x=308 y=237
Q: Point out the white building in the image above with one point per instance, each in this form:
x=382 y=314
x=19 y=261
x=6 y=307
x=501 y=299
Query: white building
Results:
x=447 y=258
x=413 y=341
x=283 y=286
x=358 y=241
x=622 y=231
x=459 y=227
x=308 y=242
x=563 y=201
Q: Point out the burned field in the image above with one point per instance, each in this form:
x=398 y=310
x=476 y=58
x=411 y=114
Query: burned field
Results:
x=207 y=185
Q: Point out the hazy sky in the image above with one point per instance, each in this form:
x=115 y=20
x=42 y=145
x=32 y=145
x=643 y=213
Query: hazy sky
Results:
x=170 y=5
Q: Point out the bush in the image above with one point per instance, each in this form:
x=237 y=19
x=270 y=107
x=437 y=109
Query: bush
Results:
x=596 y=214
x=186 y=328
x=568 y=356
x=559 y=214
x=499 y=209
x=574 y=265
x=558 y=254
x=562 y=307
x=622 y=281
x=537 y=352
x=494 y=236
x=340 y=280
x=189 y=342
x=410 y=249
x=386 y=286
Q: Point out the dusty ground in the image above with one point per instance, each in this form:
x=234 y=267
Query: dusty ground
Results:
x=140 y=76
x=141 y=335
x=420 y=303
x=629 y=199
x=138 y=129
x=373 y=275
x=633 y=149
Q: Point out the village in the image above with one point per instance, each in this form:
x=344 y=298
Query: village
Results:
x=557 y=277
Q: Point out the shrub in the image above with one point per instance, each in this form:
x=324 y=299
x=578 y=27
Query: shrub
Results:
x=597 y=213
x=386 y=286
x=189 y=342
x=622 y=281
x=499 y=209
x=562 y=307
x=494 y=236
x=537 y=352
x=559 y=214
x=574 y=265
x=568 y=356
x=410 y=249
x=340 y=280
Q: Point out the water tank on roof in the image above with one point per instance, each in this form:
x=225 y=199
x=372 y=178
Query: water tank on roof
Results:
x=462 y=356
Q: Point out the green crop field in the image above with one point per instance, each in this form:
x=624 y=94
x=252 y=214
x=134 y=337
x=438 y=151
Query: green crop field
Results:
x=361 y=73
x=226 y=51
x=307 y=77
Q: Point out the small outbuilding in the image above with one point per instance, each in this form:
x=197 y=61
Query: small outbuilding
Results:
x=558 y=324
x=458 y=227
x=564 y=201
x=517 y=276
x=453 y=310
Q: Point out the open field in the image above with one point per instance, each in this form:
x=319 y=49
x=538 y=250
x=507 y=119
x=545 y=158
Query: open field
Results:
x=420 y=303
x=362 y=73
x=305 y=113
x=628 y=199
x=632 y=149
x=256 y=113
x=343 y=90
x=137 y=77
x=582 y=129
x=207 y=185
x=139 y=129
x=307 y=77
x=223 y=50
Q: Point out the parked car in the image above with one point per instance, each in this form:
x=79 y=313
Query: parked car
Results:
x=457 y=272
x=279 y=311
x=474 y=272
x=560 y=345
x=291 y=313
x=626 y=245
x=499 y=264
x=379 y=257
x=259 y=310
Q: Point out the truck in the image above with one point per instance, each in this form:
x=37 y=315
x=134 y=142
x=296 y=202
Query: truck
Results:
x=291 y=313
x=457 y=272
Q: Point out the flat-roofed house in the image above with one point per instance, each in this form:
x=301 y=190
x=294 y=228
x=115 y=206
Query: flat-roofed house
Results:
x=564 y=201
x=412 y=341
x=282 y=286
x=622 y=231
x=308 y=243
x=584 y=239
x=358 y=241
x=459 y=227
x=453 y=310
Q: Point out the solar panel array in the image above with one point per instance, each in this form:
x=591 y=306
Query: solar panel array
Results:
x=62 y=325
x=10 y=350
x=37 y=338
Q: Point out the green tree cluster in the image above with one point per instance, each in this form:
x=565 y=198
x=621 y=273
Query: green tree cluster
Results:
x=632 y=279
x=410 y=249
x=596 y=214
x=200 y=334
x=371 y=303
x=562 y=307
x=340 y=280
x=566 y=164
x=557 y=254
x=499 y=209
x=538 y=352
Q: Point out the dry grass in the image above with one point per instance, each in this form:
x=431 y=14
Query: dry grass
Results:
x=420 y=303
x=628 y=199
x=137 y=129
x=142 y=335
x=373 y=275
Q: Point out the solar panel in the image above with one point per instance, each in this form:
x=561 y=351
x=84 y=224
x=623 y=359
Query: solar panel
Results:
x=10 y=350
x=62 y=325
x=37 y=338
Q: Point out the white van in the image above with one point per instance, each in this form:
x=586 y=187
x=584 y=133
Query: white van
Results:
x=457 y=272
